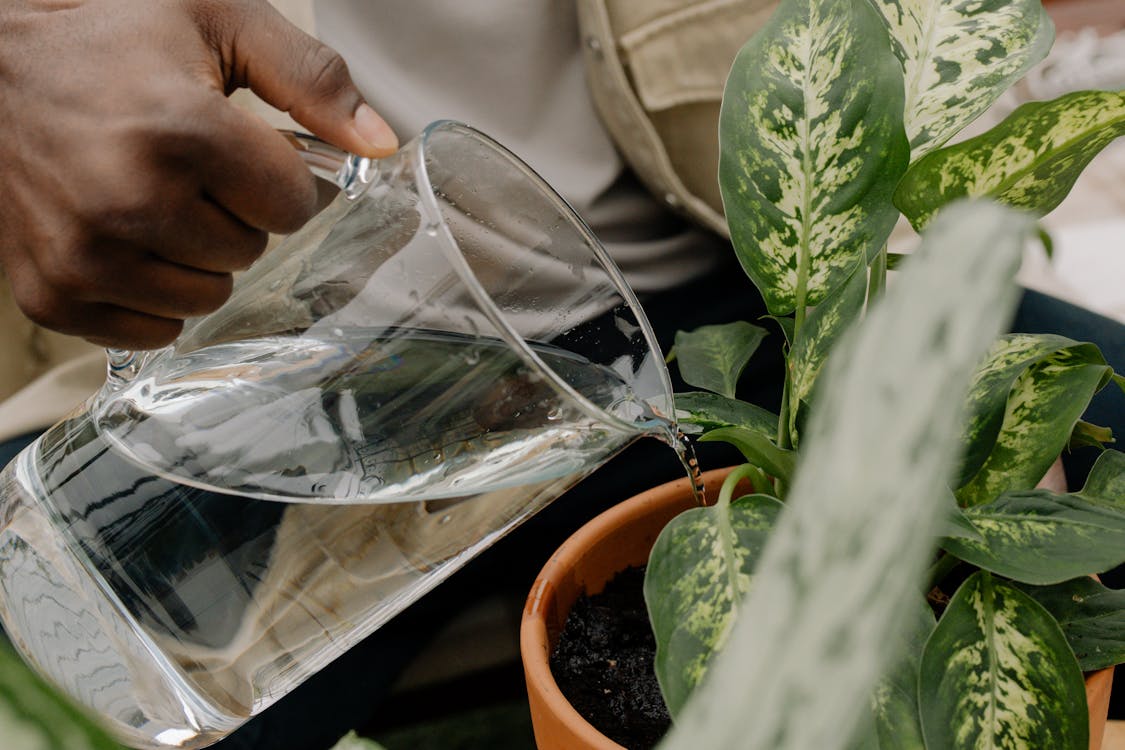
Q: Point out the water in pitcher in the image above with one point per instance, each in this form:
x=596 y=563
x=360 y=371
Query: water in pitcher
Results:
x=177 y=611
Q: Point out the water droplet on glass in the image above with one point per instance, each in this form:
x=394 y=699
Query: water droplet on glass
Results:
x=338 y=333
x=555 y=413
x=472 y=357
x=445 y=519
x=432 y=230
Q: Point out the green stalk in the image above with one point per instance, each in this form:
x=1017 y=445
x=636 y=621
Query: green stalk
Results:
x=760 y=480
x=878 y=280
x=938 y=572
x=788 y=415
x=745 y=471
x=783 y=436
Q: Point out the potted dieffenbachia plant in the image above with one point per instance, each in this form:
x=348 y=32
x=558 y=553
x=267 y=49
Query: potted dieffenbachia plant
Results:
x=917 y=590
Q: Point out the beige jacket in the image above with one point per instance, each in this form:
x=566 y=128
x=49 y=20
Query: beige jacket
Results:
x=655 y=68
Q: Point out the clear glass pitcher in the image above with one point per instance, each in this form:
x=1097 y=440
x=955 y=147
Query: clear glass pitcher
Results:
x=444 y=349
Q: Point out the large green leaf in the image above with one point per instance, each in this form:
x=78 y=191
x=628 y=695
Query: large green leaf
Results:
x=1042 y=537
x=758 y=450
x=898 y=725
x=812 y=145
x=895 y=723
x=1029 y=161
x=34 y=717
x=992 y=383
x=998 y=673
x=710 y=411
x=844 y=562
x=1043 y=406
x=1091 y=616
x=713 y=357
x=821 y=330
x=1039 y=537
x=959 y=56
x=957 y=524
x=698 y=571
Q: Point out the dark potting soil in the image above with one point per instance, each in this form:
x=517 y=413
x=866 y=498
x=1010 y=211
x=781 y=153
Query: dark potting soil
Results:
x=603 y=664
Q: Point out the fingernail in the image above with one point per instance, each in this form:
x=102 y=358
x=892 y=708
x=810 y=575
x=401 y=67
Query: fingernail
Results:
x=371 y=128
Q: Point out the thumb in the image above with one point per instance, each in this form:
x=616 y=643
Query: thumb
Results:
x=297 y=74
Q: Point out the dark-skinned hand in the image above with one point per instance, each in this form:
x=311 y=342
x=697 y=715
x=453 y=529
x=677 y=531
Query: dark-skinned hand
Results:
x=131 y=187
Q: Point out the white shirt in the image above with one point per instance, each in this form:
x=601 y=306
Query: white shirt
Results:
x=514 y=70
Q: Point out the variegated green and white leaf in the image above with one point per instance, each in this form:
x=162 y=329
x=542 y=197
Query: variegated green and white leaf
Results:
x=758 y=449
x=998 y=673
x=959 y=56
x=710 y=411
x=957 y=524
x=821 y=330
x=698 y=572
x=992 y=384
x=898 y=725
x=1106 y=481
x=812 y=145
x=1091 y=616
x=1029 y=161
x=846 y=558
x=713 y=357
x=1039 y=537
x=1045 y=403
x=33 y=716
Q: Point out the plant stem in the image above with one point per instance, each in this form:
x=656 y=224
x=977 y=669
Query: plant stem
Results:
x=945 y=565
x=745 y=471
x=799 y=318
x=761 y=480
x=783 y=437
x=878 y=280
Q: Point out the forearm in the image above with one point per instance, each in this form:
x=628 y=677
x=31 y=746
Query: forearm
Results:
x=133 y=188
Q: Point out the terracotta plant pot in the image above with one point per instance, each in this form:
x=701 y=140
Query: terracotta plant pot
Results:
x=618 y=539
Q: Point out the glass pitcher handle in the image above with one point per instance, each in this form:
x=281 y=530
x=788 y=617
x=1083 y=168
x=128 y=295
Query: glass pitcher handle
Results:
x=122 y=366
x=352 y=174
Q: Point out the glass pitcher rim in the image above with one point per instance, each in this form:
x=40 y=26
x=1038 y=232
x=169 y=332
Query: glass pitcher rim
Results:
x=356 y=175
